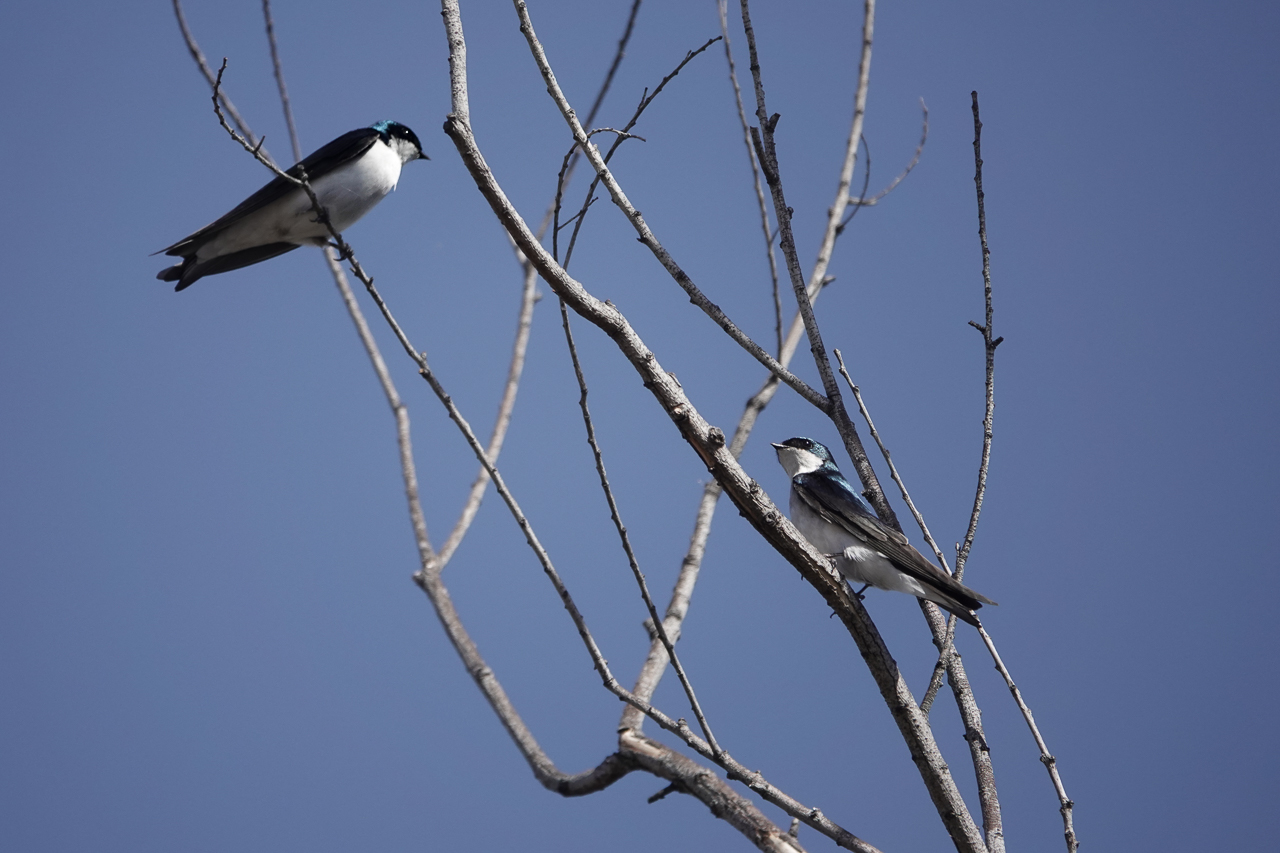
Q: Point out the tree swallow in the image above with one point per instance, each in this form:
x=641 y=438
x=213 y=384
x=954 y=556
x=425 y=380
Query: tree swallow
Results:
x=349 y=175
x=839 y=521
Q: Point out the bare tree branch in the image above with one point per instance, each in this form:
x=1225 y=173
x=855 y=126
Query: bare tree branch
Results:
x=1066 y=804
x=989 y=343
x=709 y=443
x=682 y=592
x=722 y=9
x=616 y=515
x=863 y=200
x=528 y=298
x=198 y=56
x=279 y=73
x=696 y=296
x=766 y=150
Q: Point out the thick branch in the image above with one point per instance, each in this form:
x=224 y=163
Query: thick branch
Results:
x=750 y=498
x=682 y=592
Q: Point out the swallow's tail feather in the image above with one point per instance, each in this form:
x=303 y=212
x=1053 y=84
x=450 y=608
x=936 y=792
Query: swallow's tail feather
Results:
x=961 y=610
x=189 y=271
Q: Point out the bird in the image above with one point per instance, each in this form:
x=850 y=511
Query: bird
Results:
x=349 y=176
x=838 y=521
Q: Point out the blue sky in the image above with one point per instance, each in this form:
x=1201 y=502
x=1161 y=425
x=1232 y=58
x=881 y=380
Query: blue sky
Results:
x=209 y=638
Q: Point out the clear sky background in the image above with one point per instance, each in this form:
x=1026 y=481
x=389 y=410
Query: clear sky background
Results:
x=209 y=639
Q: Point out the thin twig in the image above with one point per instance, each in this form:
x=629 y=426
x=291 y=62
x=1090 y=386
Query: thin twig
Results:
x=939 y=668
x=575 y=153
x=888 y=459
x=696 y=296
x=198 y=56
x=989 y=342
x=279 y=72
x=616 y=515
x=866 y=182
x=864 y=201
x=622 y=135
x=1066 y=804
x=722 y=8
x=528 y=298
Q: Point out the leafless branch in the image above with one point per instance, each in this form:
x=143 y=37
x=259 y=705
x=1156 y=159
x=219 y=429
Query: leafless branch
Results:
x=722 y=9
x=866 y=182
x=763 y=137
x=198 y=56
x=990 y=343
x=888 y=459
x=709 y=443
x=279 y=73
x=863 y=200
x=1051 y=764
x=939 y=668
x=616 y=515
x=621 y=136
x=696 y=296
x=682 y=592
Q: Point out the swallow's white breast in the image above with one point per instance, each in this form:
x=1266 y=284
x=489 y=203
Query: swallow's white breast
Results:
x=347 y=193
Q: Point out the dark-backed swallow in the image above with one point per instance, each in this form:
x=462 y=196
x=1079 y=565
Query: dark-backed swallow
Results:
x=838 y=521
x=349 y=175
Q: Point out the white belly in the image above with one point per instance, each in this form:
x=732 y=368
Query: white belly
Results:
x=856 y=561
x=347 y=193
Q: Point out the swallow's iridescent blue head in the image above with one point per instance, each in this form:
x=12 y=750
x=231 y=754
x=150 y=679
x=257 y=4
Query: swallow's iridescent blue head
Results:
x=401 y=140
